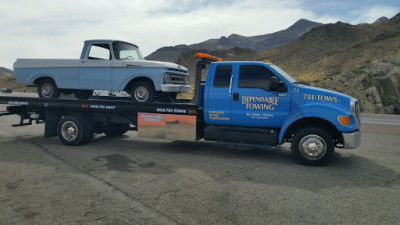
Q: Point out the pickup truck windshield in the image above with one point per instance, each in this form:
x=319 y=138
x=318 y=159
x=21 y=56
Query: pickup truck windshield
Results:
x=125 y=51
x=283 y=74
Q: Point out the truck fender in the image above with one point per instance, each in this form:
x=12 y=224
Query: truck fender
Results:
x=123 y=85
x=326 y=112
x=33 y=77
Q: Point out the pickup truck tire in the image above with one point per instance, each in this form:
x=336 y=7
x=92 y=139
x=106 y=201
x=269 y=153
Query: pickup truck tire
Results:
x=312 y=146
x=116 y=130
x=142 y=91
x=75 y=130
x=48 y=89
x=83 y=94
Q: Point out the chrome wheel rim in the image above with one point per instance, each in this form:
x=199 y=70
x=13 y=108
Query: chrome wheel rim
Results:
x=312 y=147
x=141 y=94
x=47 y=90
x=69 y=131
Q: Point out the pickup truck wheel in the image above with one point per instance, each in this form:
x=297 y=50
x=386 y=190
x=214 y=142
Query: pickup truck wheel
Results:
x=83 y=94
x=142 y=92
x=116 y=130
x=75 y=130
x=312 y=146
x=48 y=89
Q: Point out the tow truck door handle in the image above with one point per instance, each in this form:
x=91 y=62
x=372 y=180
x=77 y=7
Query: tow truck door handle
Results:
x=235 y=96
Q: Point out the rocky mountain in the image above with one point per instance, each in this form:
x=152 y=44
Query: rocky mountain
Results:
x=376 y=85
x=381 y=19
x=334 y=50
x=4 y=72
x=256 y=43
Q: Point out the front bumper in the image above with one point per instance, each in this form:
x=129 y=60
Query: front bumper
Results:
x=175 y=88
x=352 y=140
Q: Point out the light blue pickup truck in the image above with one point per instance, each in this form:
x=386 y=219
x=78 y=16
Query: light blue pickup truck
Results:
x=104 y=65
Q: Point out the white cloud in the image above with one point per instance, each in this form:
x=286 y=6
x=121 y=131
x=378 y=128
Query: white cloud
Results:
x=372 y=13
x=57 y=29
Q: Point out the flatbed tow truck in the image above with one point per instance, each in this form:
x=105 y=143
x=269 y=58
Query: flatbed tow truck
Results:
x=251 y=104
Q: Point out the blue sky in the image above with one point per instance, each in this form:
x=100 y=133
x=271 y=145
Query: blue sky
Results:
x=57 y=29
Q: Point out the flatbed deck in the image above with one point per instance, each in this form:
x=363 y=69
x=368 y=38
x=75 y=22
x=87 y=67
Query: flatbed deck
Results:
x=101 y=104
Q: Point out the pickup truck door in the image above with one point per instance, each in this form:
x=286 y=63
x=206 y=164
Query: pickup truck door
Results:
x=218 y=99
x=95 y=71
x=253 y=102
x=95 y=74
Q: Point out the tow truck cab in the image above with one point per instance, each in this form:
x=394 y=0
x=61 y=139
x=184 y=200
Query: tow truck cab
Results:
x=258 y=103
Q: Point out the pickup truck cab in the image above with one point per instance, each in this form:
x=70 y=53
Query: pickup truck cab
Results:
x=104 y=65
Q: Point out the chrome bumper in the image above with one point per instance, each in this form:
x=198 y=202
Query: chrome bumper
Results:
x=175 y=88
x=352 y=140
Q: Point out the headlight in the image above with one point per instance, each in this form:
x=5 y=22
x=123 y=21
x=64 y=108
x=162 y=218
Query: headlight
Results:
x=167 y=78
x=355 y=110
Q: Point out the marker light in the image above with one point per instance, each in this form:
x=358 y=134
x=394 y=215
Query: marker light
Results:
x=344 y=120
x=209 y=57
x=267 y=61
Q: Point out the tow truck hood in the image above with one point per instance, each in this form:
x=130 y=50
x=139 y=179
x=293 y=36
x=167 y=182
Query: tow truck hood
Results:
x=304 y=94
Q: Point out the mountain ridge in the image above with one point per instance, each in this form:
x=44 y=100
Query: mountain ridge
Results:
x=257 y=43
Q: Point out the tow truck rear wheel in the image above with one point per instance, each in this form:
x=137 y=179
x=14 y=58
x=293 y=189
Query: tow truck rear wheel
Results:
x=48 y=89
x=312 y=146
x=75 y=130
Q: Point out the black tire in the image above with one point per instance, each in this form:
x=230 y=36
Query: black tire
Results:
x=142 y=91
x=83 y=94
x=312 y=146
x=75 y=130
x=116 y=130
x=48 y=89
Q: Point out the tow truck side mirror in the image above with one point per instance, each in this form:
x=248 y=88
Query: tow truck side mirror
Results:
x=277 y=84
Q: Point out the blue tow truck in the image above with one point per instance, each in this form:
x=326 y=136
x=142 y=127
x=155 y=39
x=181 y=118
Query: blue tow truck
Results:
x=245 y=103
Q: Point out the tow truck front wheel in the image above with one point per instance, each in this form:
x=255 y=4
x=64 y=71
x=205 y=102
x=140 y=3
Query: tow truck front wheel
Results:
x=312 y=146
x=75 y=130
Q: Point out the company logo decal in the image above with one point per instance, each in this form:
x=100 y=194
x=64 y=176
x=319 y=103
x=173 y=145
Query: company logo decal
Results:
x=260 y=103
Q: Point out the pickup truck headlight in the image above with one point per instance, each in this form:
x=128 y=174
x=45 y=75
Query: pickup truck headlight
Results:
x=355 y=110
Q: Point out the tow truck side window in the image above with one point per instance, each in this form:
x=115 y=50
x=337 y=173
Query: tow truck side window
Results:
x=222 y=77
x=254 y=76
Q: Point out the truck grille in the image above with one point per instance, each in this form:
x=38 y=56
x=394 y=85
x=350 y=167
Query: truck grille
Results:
x=175 y=79
x=177 y=70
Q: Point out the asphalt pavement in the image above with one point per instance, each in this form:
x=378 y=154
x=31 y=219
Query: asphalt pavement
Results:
x=132 y=180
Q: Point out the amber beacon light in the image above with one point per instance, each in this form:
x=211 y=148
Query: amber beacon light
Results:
x=208 y=57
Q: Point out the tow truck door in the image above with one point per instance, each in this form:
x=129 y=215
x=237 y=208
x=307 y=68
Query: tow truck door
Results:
x=253 y=103
x=217 y=98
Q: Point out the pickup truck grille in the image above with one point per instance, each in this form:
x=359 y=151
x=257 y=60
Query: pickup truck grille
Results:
x=177 y=70
x=175 y=79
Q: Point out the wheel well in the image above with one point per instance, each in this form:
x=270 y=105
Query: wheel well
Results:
x=137 y=79
x=40 y=79
x=313 y=121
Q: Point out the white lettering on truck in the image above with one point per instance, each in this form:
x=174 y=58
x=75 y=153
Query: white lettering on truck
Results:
x=260 y=103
